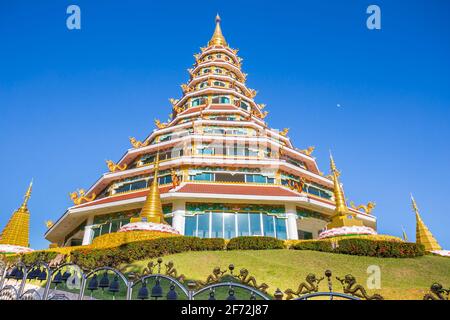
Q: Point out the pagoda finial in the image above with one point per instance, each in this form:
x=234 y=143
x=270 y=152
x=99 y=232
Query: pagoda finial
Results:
x=217 y=39
x=404 y=235
x=152 y=209
x=423 y=234
x=339 y=198
x=26 y=198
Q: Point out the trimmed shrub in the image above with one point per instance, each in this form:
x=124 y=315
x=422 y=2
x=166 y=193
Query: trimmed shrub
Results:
x=91 y=258
x=255 y=243
x=33 y=257
x=315 y=245
x=379 y=248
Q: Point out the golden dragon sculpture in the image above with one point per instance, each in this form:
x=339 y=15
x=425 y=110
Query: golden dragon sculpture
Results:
x=138 y=144
x=311 y=285
x=350 y=286
x=246 y=279
x=115 y=167
x=366 y=208
x=308 y=151
x=78 y=197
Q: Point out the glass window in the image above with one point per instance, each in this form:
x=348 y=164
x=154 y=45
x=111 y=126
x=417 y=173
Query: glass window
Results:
x=281 y=228
x=255 y=224
x=202 y=177
x=269 y=228
x=203 y=225
x=190 y=225
x=229 y=221
x=243 y=225
x=217 y=225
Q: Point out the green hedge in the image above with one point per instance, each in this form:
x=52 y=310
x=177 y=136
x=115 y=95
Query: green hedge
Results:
x=255 y=243
x=380 y=248
x=315 y=245
x=140 y=250
x=33 y=257
x=364 y=247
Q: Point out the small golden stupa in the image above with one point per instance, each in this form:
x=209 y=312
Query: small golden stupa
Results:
x=342 y=217
x=152 y=210
x=423 y=234
x=17 y=230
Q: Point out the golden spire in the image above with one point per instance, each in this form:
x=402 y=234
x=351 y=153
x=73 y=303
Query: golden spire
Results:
x=217 y=39
x=339 y=198
x=152 y=209
x=17 y=230
x=26 y=198
x=404 y=235
x=342 y=217
x=423 y=234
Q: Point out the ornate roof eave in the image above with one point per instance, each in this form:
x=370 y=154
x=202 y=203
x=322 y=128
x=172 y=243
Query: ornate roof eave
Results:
x=220 y=77
x=215 y=63
x=109 y=177
x=213 y=49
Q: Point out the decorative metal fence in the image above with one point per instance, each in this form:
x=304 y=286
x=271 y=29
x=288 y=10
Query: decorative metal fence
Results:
x=69 y=282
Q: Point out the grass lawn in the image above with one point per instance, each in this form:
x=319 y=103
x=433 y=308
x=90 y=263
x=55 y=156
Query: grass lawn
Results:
x=400 y=278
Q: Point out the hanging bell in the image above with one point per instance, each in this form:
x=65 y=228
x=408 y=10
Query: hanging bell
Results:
x=212 y=295
x=66 y=275
x=19 y=274
x=32 y=274
x=58 y=278
x=114 y=287
x=93 y=283
x=143 y=291
x=104 y=281
x=172 y=294
x=157 y=291
x=12 y=274
x=42 y=275
x=231 y=295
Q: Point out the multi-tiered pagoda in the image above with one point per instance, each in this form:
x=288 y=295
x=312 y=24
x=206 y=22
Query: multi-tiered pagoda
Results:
x=223 y=172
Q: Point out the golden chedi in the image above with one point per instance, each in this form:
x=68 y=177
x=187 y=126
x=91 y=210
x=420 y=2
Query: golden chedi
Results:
x=15 y=237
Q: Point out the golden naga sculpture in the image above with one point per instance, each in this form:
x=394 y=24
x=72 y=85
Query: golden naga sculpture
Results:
x=138 y=144
x=78 y=197
x=308 y=151
x=246 y=279
x=173 y=101
x=159 y=124
x=365 y=208
x=115 y=167
x=297 y=186
x=311 y=285
x=175 y=179
x=284 y=132
x=350 y=286
x=186 y=88
x=261 y=106
x=49 y=224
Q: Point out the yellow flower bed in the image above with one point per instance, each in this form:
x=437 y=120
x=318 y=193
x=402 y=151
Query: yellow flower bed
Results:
x=118 y=238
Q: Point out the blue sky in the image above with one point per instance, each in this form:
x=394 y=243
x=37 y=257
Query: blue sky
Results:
x=69 y=100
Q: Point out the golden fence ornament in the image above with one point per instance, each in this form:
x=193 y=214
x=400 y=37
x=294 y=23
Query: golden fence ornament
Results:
x=437 y=292
x=309 y=286
x=350 y=286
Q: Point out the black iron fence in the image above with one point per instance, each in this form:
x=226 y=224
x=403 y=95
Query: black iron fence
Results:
x=162 y=281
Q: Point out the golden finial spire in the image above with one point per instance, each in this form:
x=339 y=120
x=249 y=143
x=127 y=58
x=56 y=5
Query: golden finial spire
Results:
x=339 y=198
x=423 y=234
x=404 y=235
x=26 y=198
x=342 y=217
x=17 y=230
x=152 y=209
x=217 y=39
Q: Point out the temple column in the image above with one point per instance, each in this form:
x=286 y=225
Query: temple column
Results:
x=88 y=231
x=178 y=215
x=291 y=214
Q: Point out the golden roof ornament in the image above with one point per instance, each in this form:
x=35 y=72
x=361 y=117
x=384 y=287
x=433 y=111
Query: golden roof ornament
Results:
x=217 y=39
x=113 y=167
x=404 y=235
x=17 y=230
x=423 y=234
x=152 y=209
